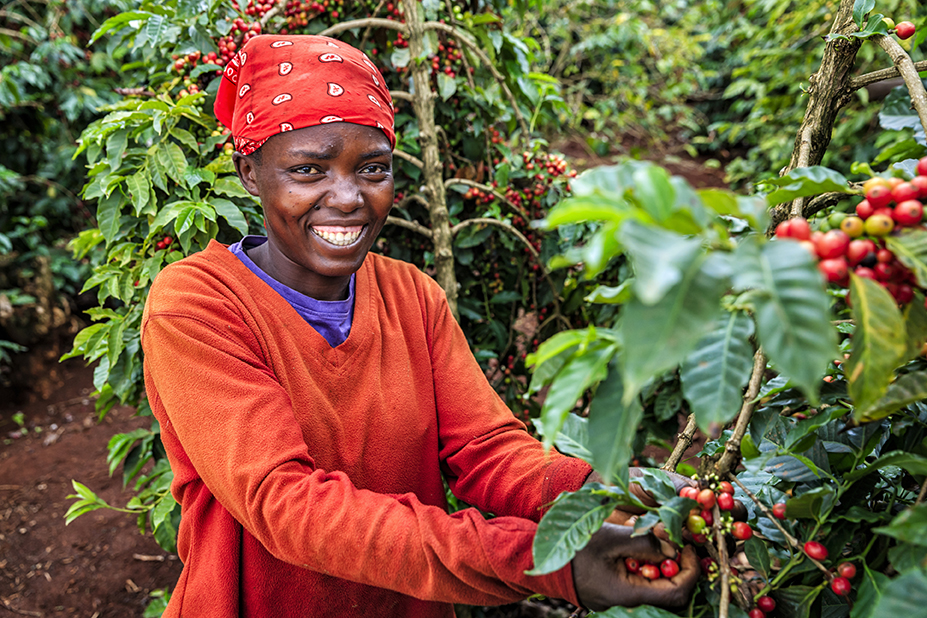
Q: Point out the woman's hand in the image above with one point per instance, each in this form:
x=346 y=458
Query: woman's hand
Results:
x=602 y=580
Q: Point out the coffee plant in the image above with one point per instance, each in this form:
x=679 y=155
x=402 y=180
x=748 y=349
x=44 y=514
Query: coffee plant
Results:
x=799 y=357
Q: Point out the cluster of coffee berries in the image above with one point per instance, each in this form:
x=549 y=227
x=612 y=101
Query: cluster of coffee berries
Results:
x=702 y=518
x=241 y=33
x=164 y=243
x=764 y=605
x=856 y=243
x=300 y=12
x=650 y=570
x=904 y=29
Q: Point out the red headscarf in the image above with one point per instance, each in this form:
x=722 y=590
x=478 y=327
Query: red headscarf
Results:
x=282 y=83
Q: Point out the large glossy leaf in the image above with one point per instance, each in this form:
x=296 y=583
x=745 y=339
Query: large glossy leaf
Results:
x=587 y=208
x=814 y=504
x=714 y=374
x=909 y=526
x=915 y=464
x=657 y=338
x=878 y=344
x=612 y=427
x=910 y=248
x=807 y=181
x=659 y=258
x=905 y=596
x=566 y=528
x=907 y=389
x=792 y=309
x=172 y=160
x=578 y=374
x=871 y=590
x=654 y=192
x=573 y=438
x=897 y=113
x=795 y=601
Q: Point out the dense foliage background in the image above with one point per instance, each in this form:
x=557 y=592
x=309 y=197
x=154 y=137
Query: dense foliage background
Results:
x=111 y=152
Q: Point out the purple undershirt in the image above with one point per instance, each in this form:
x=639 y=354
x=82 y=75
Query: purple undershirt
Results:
x=330 y=318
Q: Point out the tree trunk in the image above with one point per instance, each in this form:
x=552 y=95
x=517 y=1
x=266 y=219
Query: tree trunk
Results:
x=423 y=104
x=829 y=90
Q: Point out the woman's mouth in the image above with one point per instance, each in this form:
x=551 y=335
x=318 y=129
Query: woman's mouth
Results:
x=337 y=235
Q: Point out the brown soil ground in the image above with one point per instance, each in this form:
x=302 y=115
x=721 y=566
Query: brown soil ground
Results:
x=99 y=566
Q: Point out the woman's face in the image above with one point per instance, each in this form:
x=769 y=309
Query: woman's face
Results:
x=326 y=191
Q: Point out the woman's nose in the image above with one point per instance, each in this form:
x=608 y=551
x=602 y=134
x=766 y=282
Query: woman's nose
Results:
x=344 y=194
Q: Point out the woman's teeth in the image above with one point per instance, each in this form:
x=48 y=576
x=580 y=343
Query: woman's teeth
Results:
x=339 y=236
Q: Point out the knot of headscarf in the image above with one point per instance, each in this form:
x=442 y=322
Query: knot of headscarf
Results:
x=282 y=83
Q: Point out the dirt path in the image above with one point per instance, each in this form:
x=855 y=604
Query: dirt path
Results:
x=99 y=566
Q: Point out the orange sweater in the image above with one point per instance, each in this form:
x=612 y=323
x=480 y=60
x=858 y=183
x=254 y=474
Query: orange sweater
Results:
x=310 y=476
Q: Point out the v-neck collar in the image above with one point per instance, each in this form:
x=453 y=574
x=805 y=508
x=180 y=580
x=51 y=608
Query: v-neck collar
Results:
x=363 y=325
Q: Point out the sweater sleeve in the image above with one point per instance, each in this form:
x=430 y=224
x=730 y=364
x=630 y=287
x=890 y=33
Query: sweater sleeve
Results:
x=233 y=424
x=490 y=460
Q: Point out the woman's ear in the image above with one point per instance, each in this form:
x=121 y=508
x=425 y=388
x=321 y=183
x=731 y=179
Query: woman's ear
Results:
x=247 y=172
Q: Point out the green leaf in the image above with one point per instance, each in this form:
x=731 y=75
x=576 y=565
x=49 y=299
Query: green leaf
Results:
x=915 y=464
x=915 y=322
x=612 y=428
x=578 y=374
x=644 y=611
x=806 y=181
x=792 y=309
x=910 y=526
x=878 y=344
x=815 y=504
x=573 y=437
x=910 y=247
x=559 y=343
x=870 y=593
x=907 y=389
x=715 y=373
x=611 y=295
x=172 y=160
x=673 y=513
x=566 y=528
x=230 y=186
x=109 y=211
x=758 y=555
x=658 y=337
x=654 y=192
x=795 y=601
x=579 y=209
x=139 y=190
x=156 y=27
x=659 y=258
x=791 y=468
x=447 y=86
x=400 y=57
x=860 y=9
x=231 y=213
x=904 y=596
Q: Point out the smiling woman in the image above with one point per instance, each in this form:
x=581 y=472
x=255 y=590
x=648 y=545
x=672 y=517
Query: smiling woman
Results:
x=313 y=397
x=326 y=192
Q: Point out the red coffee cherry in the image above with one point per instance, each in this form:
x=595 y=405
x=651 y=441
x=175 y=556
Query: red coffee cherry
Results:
x=650 y=571
x=689 y=492
x=669 y=568
x=706 y=498
x=816 y=550
x=725 y=502
x=742 y=531
x=725 y=488
x=767 y=604
x=756 y=612
x=779 y=510
x=632 y=565
x=846 y=569
x=841 y=586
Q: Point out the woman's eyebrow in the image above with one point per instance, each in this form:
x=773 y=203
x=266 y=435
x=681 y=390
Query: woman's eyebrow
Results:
x=376 y=153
